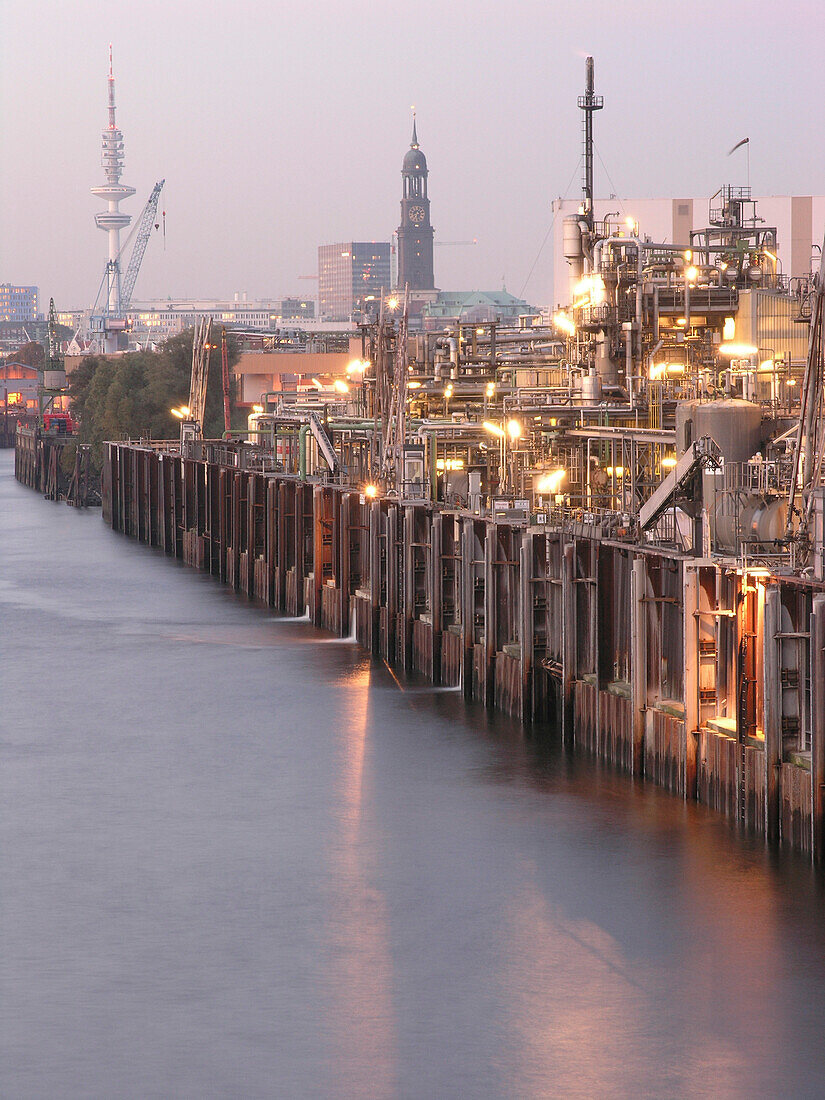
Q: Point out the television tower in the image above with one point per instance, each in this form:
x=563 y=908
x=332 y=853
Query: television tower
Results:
x=111 y=221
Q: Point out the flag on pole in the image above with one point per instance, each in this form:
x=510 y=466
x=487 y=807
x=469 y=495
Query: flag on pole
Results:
x=738 y=145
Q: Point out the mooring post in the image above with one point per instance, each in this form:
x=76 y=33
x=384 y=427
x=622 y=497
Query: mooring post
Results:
x=526 y=631
x=467 y=605
x=271 y=536
x=161 y=503
x=568 y=648
x=409 y=584
x=818 y=729
x=690 y=683
x=282 y=550
x=772 y=712
x=318 y=551
x=436 y=595
x=375 y=576
x=391 y=612
x=343 y=574
x=638 y=658
x=490 y=612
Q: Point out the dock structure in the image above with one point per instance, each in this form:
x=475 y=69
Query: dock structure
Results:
x=39 y=463
x=675 y=668
x=607 y=520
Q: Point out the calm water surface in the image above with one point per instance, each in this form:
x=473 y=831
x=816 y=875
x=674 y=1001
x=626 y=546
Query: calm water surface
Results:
x=240 y=859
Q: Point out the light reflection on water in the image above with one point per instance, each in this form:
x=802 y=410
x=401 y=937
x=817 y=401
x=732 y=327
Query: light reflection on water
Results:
x=239 y=861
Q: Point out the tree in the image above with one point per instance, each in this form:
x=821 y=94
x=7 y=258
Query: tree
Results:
x=30 y=354
x=132 y=395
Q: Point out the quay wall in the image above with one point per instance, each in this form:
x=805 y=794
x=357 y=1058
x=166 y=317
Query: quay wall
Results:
x=38 y=464
x=678 y=670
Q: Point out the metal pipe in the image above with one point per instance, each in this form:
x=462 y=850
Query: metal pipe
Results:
x=302 y=451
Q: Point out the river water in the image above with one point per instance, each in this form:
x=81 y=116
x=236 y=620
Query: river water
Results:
x=242 y=859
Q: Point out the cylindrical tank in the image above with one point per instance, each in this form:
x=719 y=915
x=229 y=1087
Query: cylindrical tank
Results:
x=591 y=388
x=572 y=238
x=606 y=367
x=573 y=252
x=763 y=518
x=734 y=425
x=760 y=520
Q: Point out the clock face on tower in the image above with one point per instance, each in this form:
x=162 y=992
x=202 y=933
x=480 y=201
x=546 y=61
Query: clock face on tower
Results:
x=417 y=214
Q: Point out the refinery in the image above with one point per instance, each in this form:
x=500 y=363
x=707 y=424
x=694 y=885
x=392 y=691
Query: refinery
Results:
x=606 y=519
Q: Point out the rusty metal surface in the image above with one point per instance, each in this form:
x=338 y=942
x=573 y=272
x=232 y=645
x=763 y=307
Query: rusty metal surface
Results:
x=448 y=597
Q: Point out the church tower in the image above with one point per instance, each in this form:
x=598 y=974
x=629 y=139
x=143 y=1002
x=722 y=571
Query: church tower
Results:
x=415 y=234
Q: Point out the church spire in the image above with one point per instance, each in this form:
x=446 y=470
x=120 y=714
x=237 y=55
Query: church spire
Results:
x=414 y=142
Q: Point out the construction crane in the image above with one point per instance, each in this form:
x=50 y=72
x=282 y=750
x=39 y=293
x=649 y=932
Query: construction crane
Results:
x=144 y=229
x=227 y=419
x=200 y=371
x=443 y=244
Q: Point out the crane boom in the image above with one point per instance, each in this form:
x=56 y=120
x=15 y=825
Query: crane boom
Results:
x=145 y=224
x=200 y=369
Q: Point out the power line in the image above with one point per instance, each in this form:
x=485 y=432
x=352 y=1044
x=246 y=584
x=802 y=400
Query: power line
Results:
x=549 y=230
x=616 y=194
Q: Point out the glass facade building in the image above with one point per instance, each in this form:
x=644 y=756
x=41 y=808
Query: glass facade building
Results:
x=348 y=273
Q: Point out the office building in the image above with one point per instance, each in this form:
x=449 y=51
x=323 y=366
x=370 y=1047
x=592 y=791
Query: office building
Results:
x=18 y=303
x=350 y=273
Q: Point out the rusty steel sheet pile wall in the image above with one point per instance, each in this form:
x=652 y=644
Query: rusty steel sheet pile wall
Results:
x=55 y=465
x=681 y=670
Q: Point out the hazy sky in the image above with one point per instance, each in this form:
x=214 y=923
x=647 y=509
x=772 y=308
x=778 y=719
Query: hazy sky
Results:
x=280 y=126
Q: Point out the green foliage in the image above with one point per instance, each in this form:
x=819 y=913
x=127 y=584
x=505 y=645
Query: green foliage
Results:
x=131 y=395
x=31 y=354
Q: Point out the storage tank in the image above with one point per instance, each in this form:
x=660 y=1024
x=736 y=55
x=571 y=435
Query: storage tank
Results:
x=734 y=425
x=573 y=251
x=606 y=367
x=572 y=238
x=761 y=519
x=591 y=388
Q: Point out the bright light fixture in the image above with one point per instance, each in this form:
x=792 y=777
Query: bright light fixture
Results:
x=551 y=482
x=564 y=324
x=738 y=351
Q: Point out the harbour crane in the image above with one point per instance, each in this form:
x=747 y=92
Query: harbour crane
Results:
x=144 y=229
x=140 y=233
